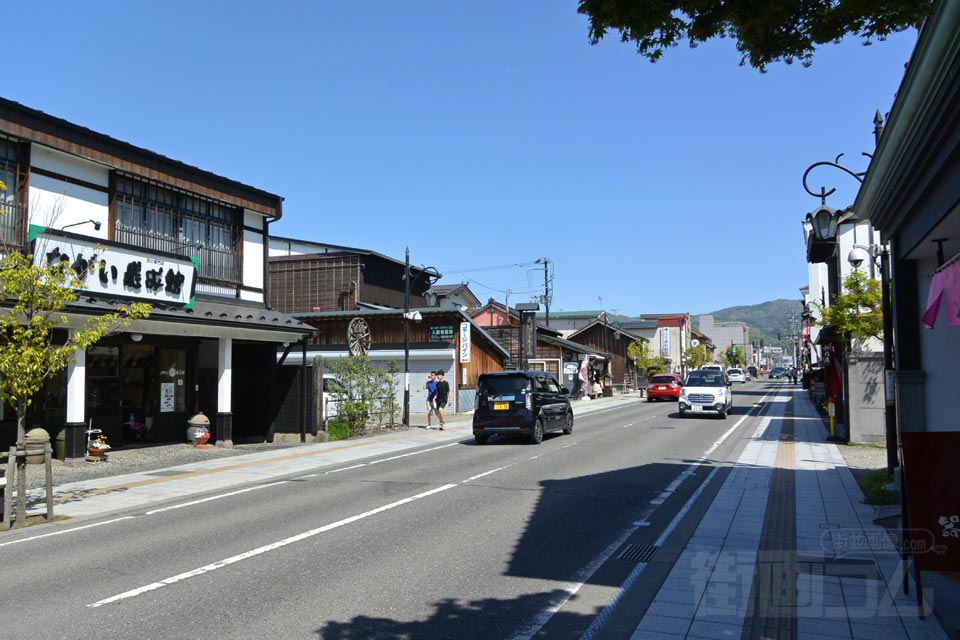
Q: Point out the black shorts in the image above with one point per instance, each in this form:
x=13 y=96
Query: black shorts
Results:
x=441 y=404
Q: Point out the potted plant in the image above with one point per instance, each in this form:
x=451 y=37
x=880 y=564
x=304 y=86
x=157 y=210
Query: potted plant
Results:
x=98 y=446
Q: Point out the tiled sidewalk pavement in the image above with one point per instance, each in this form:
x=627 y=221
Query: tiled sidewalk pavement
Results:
x=707 y=592
x=847 y=575
x=852 y=585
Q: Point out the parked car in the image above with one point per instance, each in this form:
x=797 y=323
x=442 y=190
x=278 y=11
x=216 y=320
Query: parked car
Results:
x=706 y=391
x=664 y=386
x=520 y=403
x=736 y=375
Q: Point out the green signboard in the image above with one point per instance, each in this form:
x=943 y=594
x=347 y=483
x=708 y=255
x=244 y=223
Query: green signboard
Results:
x=442 y=332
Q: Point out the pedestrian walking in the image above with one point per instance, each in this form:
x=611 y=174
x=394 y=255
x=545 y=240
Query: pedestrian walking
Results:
x=443 y=395
x=430 y=384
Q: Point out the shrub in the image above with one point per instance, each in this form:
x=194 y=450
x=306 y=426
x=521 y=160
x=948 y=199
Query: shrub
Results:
x=338 y=430
x=874 y=489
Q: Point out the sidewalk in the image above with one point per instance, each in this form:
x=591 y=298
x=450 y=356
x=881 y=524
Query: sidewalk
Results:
x=105 y=495
x=788 y=550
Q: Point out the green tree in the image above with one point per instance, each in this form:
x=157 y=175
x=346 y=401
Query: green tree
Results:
x=735 y=355
x=32 y=303
x=639 y=352
x=857 y=312
x=765 y=30
x=371 y=391
x=696 y=357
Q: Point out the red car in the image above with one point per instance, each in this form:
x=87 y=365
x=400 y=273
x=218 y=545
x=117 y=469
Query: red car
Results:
x=664 y=386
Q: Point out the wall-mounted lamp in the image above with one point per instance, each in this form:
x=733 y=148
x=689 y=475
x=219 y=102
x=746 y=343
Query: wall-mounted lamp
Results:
x=95 y=223
x=136 y=337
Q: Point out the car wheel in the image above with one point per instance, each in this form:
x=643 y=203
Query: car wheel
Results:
x=481 y=438
x=537 y=436
x=568 y=423
x=723 y=414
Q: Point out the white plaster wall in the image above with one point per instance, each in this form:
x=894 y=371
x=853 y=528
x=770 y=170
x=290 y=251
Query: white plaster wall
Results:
x=940 y=353
x=55 y=203
x=253 y=251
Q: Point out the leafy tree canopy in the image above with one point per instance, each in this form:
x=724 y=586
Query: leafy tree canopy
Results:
x=695 y=357
x=650 y=364
x=857 y=312
x=765 y=30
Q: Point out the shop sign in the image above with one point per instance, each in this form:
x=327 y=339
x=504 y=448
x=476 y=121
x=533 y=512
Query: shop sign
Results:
x=119 y=270
x=464 y=342
x=666 y=342
x=442 y=332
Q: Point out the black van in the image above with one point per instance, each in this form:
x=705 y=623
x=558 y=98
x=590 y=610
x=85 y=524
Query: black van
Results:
x=524 y=403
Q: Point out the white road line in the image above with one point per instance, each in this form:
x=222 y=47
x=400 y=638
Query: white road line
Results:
x=264 y=549
x=356 y=466
x=486 y=473
x=568 y=591
x=60 y=533
x=415 y=453
x=223 y=495
x=611 y=606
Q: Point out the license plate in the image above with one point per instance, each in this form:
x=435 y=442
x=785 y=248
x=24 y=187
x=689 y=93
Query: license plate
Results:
x=661 y=388
x=501 y=406
x=696 y=408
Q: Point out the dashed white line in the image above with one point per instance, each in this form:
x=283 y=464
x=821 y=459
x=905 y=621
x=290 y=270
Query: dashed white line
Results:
x=60 y=533
x=180 y=577
x=217 y=497
x=486 y=473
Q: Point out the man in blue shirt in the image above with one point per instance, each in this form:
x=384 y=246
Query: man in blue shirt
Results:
x=431 y=386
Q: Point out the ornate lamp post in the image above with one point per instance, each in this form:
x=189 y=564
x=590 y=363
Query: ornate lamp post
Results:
x=432 y=276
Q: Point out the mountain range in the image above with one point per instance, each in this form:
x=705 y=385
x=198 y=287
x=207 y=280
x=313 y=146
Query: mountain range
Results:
x=765 y=320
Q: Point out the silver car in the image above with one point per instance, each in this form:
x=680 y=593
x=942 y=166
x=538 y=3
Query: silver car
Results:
x=706 y=391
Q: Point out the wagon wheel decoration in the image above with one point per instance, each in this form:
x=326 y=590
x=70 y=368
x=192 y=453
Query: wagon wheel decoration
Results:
x=358 y=337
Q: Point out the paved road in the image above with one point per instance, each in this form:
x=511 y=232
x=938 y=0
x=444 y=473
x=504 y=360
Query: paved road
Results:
x=450 y=540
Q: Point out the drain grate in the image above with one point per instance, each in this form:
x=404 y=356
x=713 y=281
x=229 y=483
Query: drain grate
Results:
x=639 y=552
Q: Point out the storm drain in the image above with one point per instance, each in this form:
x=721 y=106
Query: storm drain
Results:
x=638 y=552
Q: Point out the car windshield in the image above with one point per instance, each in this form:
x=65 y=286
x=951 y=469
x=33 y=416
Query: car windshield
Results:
x=704 y=379
x=661 y=380
x=502 y=386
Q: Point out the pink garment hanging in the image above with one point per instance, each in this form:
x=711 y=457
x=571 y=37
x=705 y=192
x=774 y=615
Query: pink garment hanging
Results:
x=945 y=284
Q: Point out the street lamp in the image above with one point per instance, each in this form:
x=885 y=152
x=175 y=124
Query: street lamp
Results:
x=95 y=223
x=432 y=276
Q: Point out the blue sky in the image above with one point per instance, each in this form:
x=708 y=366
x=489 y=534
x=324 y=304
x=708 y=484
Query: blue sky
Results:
x=482 y=135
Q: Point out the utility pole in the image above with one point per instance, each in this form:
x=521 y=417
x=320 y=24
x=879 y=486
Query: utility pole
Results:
x=546 y=286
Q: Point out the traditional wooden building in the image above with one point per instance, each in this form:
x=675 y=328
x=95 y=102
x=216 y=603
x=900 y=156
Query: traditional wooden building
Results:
x=554 y=353
x=312 y=276
x=190 y=243
x=440 y=340
x=622 y=371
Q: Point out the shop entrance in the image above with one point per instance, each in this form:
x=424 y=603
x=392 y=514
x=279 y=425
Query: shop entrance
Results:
x=137 y=393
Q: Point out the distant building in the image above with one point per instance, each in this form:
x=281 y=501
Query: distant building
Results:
x=726 y=334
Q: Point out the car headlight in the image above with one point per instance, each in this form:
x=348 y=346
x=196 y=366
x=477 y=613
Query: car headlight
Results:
x=683 y=393
x=720 y=392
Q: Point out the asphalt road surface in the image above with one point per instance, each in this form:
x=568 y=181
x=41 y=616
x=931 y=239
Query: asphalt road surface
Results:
x=506 y=540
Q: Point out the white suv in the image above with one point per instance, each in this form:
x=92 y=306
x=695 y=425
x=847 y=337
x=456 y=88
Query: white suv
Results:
x=707 y=391
x=736 y=375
